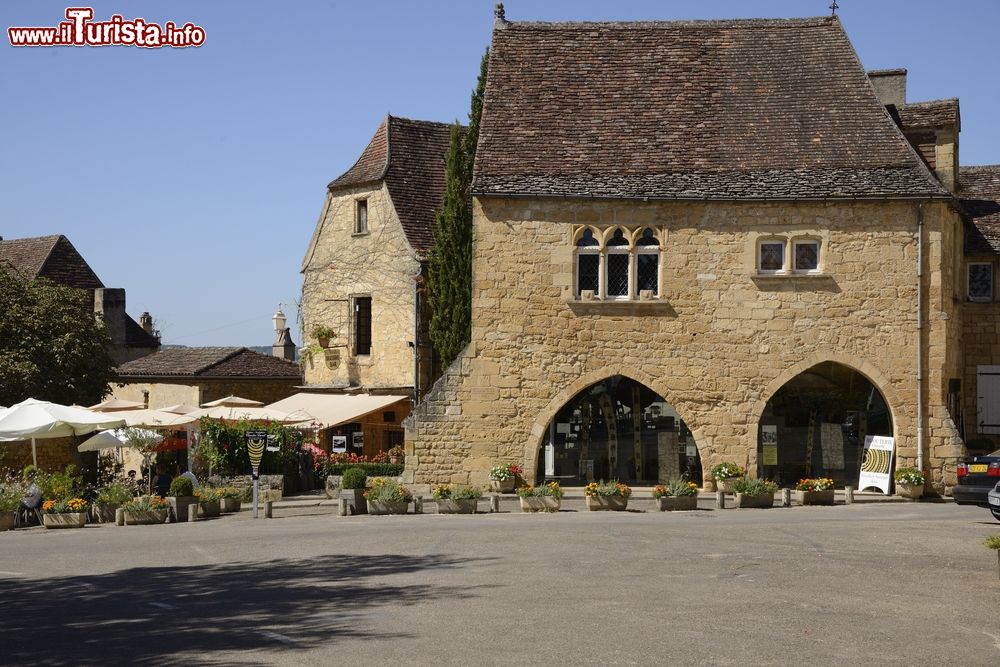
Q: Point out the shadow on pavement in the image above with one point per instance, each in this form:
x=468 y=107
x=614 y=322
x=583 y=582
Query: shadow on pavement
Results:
x=180 y=615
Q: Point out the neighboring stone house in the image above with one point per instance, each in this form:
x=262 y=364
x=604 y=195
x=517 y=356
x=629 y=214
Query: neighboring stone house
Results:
x=55 y=258
x=198 y=375
x=702 y=241
x=364 y=270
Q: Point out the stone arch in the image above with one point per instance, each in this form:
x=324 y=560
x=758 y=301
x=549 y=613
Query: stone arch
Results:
x=539 y=427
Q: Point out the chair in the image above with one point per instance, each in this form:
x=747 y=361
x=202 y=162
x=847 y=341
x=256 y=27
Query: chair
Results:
x=27 y=516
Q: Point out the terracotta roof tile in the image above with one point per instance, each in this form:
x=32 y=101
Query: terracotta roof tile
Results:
x=979 y=193
x=741 y=108
x=210 y=362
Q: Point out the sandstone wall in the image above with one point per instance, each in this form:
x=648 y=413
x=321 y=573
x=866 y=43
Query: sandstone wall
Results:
x=162 y=394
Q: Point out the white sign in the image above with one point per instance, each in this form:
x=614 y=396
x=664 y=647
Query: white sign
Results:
x=550 y=459
x=562 y=427
x=877 y=463
x=339 y=443
x=273 y=443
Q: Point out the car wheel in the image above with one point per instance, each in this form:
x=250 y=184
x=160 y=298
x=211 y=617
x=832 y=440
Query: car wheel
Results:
x=996 y=514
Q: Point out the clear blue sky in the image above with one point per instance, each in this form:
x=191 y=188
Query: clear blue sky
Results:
x=194 y=177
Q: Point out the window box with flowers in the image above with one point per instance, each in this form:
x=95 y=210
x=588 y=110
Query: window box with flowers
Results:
x=603 y=495
x=65 y=513
x=752 y=492
x=386 y=496
x=146 y=511
x=456 y=499
x=909 y=483
x=726 y=474
x=814 y=491
x=545 y=498
x=676 y=496
x=503 y=477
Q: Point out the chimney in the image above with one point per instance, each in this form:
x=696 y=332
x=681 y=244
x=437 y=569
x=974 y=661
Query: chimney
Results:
x=890 y=85
x=146 y=322
x=283 y=347
x=109 y=303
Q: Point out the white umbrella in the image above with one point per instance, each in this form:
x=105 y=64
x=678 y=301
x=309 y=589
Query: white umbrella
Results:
x=33 y=419
x=113 y=404
x=179 y=408
x=233 y=402
x=153 y=418
x=114 y=438
x=238 y=413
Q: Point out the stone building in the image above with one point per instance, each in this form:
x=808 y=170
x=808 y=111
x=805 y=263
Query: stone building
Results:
x=703 y=241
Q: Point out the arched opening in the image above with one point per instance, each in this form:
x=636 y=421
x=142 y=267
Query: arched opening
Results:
x=617 y=429
x=815 y=425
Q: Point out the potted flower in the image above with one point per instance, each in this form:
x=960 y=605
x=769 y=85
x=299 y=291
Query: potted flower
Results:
x=209 y=501
x=396 y=455
x=676 y=495
x=181 y=497
x=230 y=499
x=603 y=495
x=752 y=492
x=456 y=499
x=725 y=475
x=386 y=496
x=503 y=477
x=109 y=499
x=814 y=491
x=65 y=513
x=10 y=499
x=909 y=482
x=146 y=511
x=544 y=498
x=323 y=334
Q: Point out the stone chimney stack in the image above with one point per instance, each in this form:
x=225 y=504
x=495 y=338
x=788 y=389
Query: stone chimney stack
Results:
x=109 y=303
x=283 y=347
x=890 y=85
x=146 y=322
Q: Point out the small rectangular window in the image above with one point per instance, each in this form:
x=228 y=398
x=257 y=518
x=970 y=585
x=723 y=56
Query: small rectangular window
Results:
x=806 y=256
x=772 y=256
x=588 y=268
x=361 y=217
x=362 y=325
x=980 y=281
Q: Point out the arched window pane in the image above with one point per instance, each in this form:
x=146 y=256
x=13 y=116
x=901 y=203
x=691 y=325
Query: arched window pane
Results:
x=647 y=238
x=618 y=239
x=587 y=239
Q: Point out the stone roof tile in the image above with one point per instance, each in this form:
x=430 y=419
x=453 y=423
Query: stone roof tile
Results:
x=931 y=114
x=52 y=257
x=210 y=362
x=979 y=193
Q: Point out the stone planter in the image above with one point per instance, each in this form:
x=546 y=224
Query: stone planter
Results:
x=104 y=513
x=911 y=492
x=462 y=506
x=65 y=520
x=179 y=507
x=503 y=485
x=227 y=505
x=388 y=506
x=814 y=497
x=613 y=503
x=677 y=503
x=7 y=520
x=145 y=517
x=356 y=501
x=764 y=501
x=209 y=508
x=726 y=484
x=540 y=504
x=395 y=460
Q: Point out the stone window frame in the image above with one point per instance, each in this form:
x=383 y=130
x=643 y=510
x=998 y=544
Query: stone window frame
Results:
x=603 y=234
x=788 y=243
x=771 y=240
x=795 y=241
x=968 y=282
x=361 y=226
x=354 y=326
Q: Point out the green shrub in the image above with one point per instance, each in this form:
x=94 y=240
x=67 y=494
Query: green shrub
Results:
x=181 y=486
x=371 y=469
x=117 y=493
x=59 y=485
x=751 y=486
x=992 y=542
x=552 y=490
x=10 y=497
x=910 y=476
x=208 y=494
x=727 y=470
x=447 y=491
x=387 y=490
x=354 y=478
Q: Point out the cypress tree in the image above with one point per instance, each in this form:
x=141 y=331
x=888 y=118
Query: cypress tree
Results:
x=449 y=267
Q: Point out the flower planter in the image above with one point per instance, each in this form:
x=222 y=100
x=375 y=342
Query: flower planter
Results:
x=228 y=505
x=179 y=507
x=209 y=508
x=727 y=484
x=395 y=460
x=909 y=491
x=613 y=503
x=503 y=485
x=763 y=501
x=145 y=517
x=324 y=341
x=7 y=520
x=388 y=506
x=65 y=520
x=461 y=506
x=356 y=502
x=540 y=504
x=814 y=497
x=105 y=513
x=677 y=503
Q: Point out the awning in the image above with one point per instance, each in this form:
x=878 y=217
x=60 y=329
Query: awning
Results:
x=332 y=409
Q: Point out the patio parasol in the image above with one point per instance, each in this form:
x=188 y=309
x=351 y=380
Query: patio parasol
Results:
x=33 y=419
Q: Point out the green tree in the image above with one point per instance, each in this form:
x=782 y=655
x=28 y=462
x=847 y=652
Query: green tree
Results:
x=449 y=267
x=52 y=347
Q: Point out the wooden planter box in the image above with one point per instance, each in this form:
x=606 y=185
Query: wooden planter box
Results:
x=463 y=506
x=908 y=491
x=761 y=502
x=209 y=508
x=65 y=520
x=814 y=497
x=146 y=517
x=104 y=513
x=7 y=520
x=540 y=504
x=228 y=505
x=677 y=503
x=503 y=485
x=388 y=506
x=613 y=503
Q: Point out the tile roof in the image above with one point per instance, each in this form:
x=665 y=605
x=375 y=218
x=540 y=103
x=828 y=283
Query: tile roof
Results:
x=52 y=257
x=688 y=109
x=979 y=193
x=210 y=362
x=931 y=114
x=409 y=156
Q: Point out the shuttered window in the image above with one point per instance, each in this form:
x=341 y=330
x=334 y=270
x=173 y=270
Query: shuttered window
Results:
x=988 y=399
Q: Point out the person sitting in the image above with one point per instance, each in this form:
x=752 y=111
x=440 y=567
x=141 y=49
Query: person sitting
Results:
x=161 y=485
x=32 y=500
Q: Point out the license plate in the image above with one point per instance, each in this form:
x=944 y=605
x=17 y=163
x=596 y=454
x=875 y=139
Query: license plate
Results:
x=978 y=467
x=994 y=501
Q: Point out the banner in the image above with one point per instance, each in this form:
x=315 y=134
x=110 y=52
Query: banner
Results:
x=877 y=464
x=769 y=443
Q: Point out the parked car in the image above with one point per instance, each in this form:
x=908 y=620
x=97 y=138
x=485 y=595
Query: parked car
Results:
x=976 y=477
x=993 y=497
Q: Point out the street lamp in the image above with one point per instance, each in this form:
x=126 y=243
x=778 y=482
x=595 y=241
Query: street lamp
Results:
x=279 y=320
